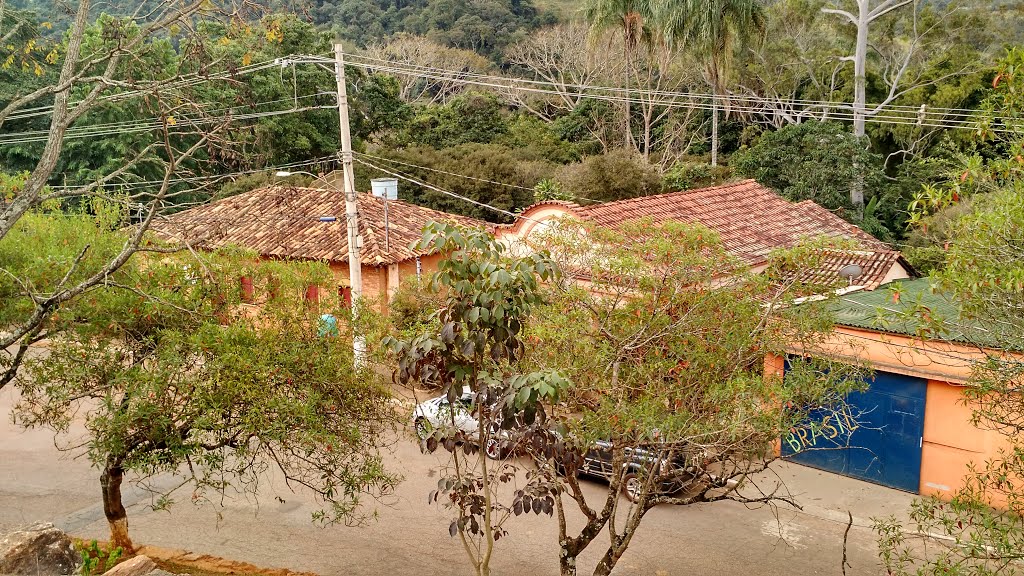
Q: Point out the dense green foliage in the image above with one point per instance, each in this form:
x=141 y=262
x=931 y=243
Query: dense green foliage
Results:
x=173 y=375
x=813 y=161
x=981 y=266
x=614 y=176
x=485 y=26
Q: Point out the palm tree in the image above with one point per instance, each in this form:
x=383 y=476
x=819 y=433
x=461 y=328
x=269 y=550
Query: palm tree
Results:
x=631 y=18
x=712 y=29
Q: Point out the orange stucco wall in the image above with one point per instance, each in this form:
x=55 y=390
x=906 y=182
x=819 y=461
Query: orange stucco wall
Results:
x=950 y=442
x=381 y=282
x=373 y=284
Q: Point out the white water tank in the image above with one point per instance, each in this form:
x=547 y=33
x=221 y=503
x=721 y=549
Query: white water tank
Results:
x=386 y=188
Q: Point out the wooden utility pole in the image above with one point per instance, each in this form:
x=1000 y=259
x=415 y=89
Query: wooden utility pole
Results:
x=355 y=270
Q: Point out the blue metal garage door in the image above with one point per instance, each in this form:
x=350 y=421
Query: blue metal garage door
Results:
x=876 y=438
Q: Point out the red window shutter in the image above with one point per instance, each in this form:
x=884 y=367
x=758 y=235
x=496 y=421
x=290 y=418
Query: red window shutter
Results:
x=313 y=293
x=248 y=292
x=345 y=293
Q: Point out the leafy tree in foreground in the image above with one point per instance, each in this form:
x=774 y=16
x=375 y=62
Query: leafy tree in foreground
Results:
x=652 y=357
x=477 y=345
x=662 y=354
x=94 y=72
x=985 y=273
x=171 y=375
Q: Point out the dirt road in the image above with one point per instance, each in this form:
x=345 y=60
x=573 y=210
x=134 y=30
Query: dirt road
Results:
x=409 y=536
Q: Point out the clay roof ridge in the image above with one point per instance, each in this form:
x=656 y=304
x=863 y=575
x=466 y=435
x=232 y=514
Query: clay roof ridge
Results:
x=553 y=202
x=289 y=222
x=653 y=198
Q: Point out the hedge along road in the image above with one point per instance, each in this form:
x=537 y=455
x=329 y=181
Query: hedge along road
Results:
x=38 y=483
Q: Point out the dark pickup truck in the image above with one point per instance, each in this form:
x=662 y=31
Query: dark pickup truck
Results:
x=597 y=461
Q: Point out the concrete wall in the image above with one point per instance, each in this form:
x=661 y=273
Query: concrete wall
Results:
x=951 y=442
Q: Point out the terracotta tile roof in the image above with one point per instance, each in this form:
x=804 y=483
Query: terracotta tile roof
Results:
x=874 y=265
x=284 y=222
x=751 y=219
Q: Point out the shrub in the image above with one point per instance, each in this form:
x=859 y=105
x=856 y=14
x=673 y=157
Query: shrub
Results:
x=617 y=175
x=816 y=161
x=469 y=118
x=687 y=175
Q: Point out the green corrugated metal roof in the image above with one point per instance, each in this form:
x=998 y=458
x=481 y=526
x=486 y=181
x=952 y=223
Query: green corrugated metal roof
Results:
x=883 y=311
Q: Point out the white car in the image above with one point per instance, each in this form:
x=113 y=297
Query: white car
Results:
x=437 y=413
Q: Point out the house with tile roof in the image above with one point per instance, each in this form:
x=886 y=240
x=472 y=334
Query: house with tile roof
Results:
x=910 y=428
x=751 y=219
x=913 y=430
x=298 y=223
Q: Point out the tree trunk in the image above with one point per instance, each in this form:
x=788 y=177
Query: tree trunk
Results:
x=113 y=508
x=859 y=65
x=860 y=97
x=626 y=105
x=608 y=561
x=714 y=131
x=566 y=564
x=29 y=195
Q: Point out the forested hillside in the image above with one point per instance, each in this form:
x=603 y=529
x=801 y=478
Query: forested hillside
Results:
x=504 y=102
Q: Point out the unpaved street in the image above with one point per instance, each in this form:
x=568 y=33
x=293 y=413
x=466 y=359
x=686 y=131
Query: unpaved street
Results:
x=410 y=537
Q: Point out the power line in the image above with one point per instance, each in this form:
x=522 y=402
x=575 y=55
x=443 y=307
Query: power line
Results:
x=762 y=108
x=157 y=86
x=412 y=180
x=724 y=97
x=111 y=131
x=128 y=186
x=144 y=123
x=843 y=111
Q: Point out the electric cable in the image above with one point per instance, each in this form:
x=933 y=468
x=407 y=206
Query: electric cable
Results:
x=839 y=110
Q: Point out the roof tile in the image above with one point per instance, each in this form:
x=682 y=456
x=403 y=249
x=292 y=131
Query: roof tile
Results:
x=285 y=222
x=751 y=219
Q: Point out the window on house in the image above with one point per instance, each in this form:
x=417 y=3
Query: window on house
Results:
x=345 y=296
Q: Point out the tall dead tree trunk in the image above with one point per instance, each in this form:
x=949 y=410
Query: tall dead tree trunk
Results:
x=113 y=507
x=862 y=19
x=860 y=98
x=714 y=130
x=859 y=68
